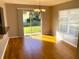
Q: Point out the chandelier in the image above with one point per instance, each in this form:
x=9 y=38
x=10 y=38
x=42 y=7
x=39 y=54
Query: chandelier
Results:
x=40 y=9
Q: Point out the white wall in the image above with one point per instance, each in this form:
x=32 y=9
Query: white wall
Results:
x=13 y=19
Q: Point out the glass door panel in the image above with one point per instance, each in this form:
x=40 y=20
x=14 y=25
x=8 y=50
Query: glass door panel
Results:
x=26 y=22
x=32 y=23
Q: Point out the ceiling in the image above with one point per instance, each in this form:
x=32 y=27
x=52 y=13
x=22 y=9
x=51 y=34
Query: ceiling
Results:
x=36 y=2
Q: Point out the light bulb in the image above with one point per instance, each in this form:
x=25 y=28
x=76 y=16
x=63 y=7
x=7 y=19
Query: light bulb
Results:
x=37 y=10
x=43 y=10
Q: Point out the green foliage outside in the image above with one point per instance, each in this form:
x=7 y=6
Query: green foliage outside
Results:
x=34 y=18
x=34 y=29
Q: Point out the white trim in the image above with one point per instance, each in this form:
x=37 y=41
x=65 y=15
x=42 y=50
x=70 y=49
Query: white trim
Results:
x=4 y=49
x=46 y=34
x=25 y=35
x=70 y=43
x=15 y=36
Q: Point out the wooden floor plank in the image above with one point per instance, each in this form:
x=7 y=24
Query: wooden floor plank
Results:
x=30 y=48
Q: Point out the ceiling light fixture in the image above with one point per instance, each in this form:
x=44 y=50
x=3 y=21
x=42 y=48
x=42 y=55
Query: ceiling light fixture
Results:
x=40 y=9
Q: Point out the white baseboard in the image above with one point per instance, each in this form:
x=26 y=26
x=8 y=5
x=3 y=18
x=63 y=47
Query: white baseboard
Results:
x=15 y=37
x=25 y=35
x=47 y=34
x=70 y=43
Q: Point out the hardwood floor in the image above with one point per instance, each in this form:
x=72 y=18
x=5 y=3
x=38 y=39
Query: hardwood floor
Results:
x=32 y=48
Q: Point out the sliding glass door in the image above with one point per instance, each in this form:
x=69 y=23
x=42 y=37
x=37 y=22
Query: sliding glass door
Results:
x=69 y=25
x=32 y=23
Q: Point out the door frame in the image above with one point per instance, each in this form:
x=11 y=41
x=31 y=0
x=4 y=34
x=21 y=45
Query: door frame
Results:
x=21 y=30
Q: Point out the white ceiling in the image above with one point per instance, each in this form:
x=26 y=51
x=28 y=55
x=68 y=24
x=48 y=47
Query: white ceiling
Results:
x=36 y=2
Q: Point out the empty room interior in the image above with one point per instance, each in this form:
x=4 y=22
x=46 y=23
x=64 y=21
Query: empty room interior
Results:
x=39 y=29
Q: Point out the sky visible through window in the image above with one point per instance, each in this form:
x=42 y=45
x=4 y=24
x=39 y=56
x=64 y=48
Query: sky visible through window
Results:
x=25 y=16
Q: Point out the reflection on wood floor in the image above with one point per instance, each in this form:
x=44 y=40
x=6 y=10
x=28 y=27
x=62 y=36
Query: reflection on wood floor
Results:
x=39 y=47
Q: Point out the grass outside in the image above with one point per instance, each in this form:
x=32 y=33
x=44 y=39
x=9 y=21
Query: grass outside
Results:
x=34 y=29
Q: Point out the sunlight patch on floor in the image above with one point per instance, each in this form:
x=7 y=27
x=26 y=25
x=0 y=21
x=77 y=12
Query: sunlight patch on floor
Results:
x=58 y=37
x=45 y=38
